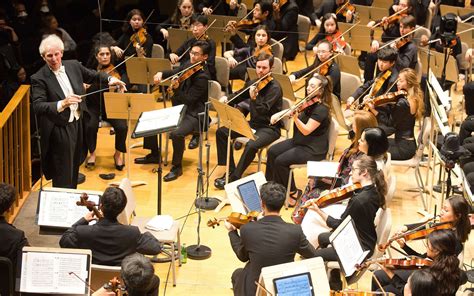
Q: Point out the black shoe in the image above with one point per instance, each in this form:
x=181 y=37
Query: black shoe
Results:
x=174 y=173
x=81 y=178
x=107 y=176
x=118 y=167
x=219 y=183
x=237 y=145
x=194 y=143
x=150 y=158
x=457 y=189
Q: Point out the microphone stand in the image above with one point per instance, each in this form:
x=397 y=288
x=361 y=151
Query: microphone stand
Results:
x=198 y=251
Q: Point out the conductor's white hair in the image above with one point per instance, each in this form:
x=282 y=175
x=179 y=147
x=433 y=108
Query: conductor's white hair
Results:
x=49 y=42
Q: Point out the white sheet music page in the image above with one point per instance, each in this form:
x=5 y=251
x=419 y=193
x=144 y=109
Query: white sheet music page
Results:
x=59 y=209
x=49 y=273
x=322 y=168
x=158 y=119
x=347 y=245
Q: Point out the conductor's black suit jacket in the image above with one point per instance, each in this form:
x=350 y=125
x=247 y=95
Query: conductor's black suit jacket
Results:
x=268 y=241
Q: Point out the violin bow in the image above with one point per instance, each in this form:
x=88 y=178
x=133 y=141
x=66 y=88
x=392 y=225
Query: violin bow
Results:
x=119 y=64
x=217 y=5
x=297 y=105
x=399 y=38
x=352 y=27
x=248 y=87
x=389 y=17
x=342 y=7
x=199 y=38
x=469 y=18
x=87 y=285
x=271 y=45
x=180 y=72
x=319 y=66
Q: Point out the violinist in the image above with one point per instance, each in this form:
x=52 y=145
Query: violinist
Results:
x=109 y=240
x=455 y=210
x=329 y=31
x=323 y=52
x=180 y=19
x=285 y=15
x=419 y=9
x=420 y=283
x=198 y=28
x=265 y=100
x=390 y=24
x=310 y=134
x=191 y=92
x=239 y=71
x=336 y=7
x=362 y=207
x=268 y=241
x=384 y=82
x=97 y=111
x=441 y=248
x=407 y=49
x=219 y=7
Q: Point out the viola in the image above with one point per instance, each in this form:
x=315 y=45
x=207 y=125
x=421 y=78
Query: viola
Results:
x=138 y=39
x=242 y=24
x=264 y=82
x=115 y=286
x=266 y=49
x=110 y=69
x=333 y=196
x=350 y=292
x=401 y=42
x=379 y=81
x=392 y=19
x=412 y=262
x=344 y=8
x=417 y=233
x=391 y=97
x=175 y=82
x=235 y=218
x=337 y=41
x=90 y=205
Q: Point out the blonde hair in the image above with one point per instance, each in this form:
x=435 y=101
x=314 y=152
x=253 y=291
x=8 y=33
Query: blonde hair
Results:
x=415 y=94
x=50 y=41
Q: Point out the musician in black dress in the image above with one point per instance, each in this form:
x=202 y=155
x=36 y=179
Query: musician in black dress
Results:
x=310 y=133
x=180 y=19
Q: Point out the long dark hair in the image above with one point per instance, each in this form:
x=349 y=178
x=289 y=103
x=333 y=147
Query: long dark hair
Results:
x=461 y=211
x=127 y=28
x=445 y=267
x=370 y=165
x=327 y=17
x=177 y=13
x=422 y=283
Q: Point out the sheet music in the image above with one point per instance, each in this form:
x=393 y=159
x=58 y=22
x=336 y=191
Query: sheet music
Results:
x=158 y=119
x=322 y=168
x=348 y=248
x=59 y=209
x=49 y=273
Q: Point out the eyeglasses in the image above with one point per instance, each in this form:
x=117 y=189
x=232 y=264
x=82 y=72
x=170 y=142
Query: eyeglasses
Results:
x=195 y=53
x=322 y=51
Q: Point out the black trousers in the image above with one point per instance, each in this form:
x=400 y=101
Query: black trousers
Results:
x=386 y=282
x=264 y=137
x=188 y=126
x=327 y=253
x=92 y=127
x=402 y=149
x=281 y=156
x=66 y=153
x=468 y=91
x=370 y=66
x=467 y=127
x=238 y=72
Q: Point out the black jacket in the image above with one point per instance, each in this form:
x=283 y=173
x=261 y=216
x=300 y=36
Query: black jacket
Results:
x=12 y=242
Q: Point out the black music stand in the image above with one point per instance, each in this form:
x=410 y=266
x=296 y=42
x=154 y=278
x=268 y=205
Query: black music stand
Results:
x=155 y=123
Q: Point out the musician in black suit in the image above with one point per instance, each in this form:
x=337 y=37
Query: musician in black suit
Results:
x=13 y=240
x=268 y=241
x=109 y=240
x=55 y=91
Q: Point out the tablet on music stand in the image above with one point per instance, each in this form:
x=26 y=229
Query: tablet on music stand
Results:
x=296 y=284
x=250 y=196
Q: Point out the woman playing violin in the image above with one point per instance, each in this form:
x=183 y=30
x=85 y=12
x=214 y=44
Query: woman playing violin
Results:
x=97 y=110
x=329 y=31
x=323 y=52
x=441 y=248
x=249 y=53
x=310 y=134
x=180 y=19
x=455 y=210
x=362 y=207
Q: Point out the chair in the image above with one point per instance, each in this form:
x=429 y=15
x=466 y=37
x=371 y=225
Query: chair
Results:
x=337 y=112
x=350 y=82
x=333 y=133
x=242 y=10
x=158 y=51
x=215 y=92
x=101 y=274
x=6 y=277
x=419 y=33
x=392 y=186
x=286 y=126
x=222 y=72
x=419 y=69
x=304 y=26
x=277 y=66
x=277 y=48
x=348 y=49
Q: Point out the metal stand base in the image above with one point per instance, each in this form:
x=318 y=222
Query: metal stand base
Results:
x=206 y=204
x=200 y=252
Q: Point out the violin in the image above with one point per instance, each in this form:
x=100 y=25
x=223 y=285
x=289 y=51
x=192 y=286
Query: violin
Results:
x=344 y=8
x=90 y=205
x=391 y=97
x=358 y=293
x=235 y=218
x=266 y=49
x=242 y=24
x=115 y=286
x=337 y=41
x=138 y=39
x=412 y=262
x=175 y=82
x=262 y=83
x=324 y=69
x=379 y=81
x=110 y=69
x=392 y=19
x=417 y=233
x=333 y=196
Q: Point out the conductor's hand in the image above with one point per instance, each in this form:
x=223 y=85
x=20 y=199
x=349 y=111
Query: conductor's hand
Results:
x=158 y=77
x=174 y=58
x=119 y=83
x=229 y=226
x=71 y=99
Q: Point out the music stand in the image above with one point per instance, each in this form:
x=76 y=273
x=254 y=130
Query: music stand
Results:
x=284 y=81
x=234 y=120
x=159 y=122
x=142 y=70
x=128 y=106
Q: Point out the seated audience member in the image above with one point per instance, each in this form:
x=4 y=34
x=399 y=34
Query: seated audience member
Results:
x=12 y=240
x=138 y=277
x=109 y=240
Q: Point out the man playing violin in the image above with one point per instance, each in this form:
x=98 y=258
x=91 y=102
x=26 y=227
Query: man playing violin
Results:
x=198 y=28
x=268 y=241
x=323 y=52
x=407 y=49
x=333 y=6
x=264 y=103
x=191 y=92
x=109 y=240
